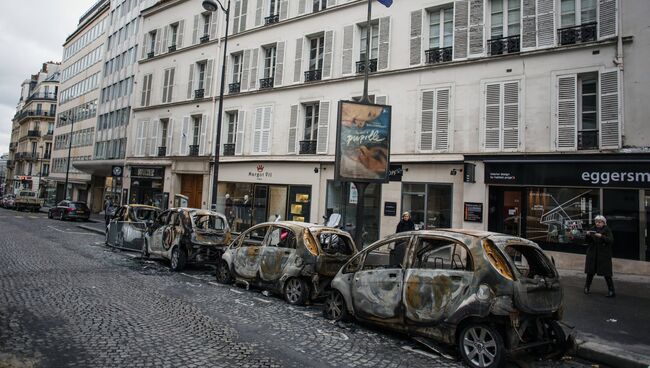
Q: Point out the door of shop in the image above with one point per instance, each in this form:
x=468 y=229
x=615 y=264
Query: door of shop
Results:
x=621 y=209
x=505 y=210
x=192 y=187
x=647 y=225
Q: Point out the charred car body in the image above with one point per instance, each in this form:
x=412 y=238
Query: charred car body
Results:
x=128 y=226
x=296 y=259
x=188 y=235
x=489 y=294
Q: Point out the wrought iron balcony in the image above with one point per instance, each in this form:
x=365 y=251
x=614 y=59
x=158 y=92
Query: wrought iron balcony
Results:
x=271 y=19
x=583 y=33
x=171 y=48
x=205 y=38
x=588 y=139
x=150 y=54
x=40 y=113
x=308 y=147
x=313 y=75
x=361 y=66
x=47 y=96
x=194 y=150
x=266 y=83
x=438 y=55
x=229 y=149
x=504 y=45
x=234 y=87
x=162 y=151
x=28 y=156
x=33 y=133
x=47 y=155
x=49 y=133
x=199 y=93
x=12 y=146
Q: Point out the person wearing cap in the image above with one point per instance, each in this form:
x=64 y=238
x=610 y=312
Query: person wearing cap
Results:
x=405 y=224
x=599 y=254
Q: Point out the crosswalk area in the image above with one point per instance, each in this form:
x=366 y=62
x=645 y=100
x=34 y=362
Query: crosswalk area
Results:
x=33 y=217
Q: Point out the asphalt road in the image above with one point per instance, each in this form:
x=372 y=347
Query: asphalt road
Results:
x=66 y=300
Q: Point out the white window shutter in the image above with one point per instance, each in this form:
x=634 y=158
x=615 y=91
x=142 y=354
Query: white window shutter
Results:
x=293 y=129
x=170 y=134
x=213 y=25
x=492 y=128
x=165 y=84
x=170 y=89
x=254 y=63
x=381 y=100
x=259 y=9
x=327 y=54
x=511 y=115
x=209 y=66
x=302 y=7
x=154 y=137
x=267 y=122
x=416 y=38
x=297 y=72
x=143 y=46
x=323 y=127
x=257 y=130
x=476 y=28
x=529 y=24
x=184 y=148
x=158 y=48
x=241 y=126
x=442 y=119
x=181 y=30
x=346 y=54
x=195 y=30
x=566 y=118
x=244 y=13
x=284 y=9
x=245 y=70
x=610 y=110
x=204 y=148
x=143 y=93
x=165 y=39
x=149 y=82
x=545 y=23
x=279 y=64
x=138 y=140
x=331 y=3
x=460 y=29
x=607 y=19
x=146 y=150
x=235 y=20
x=384 y=44
x=426 y=125
x=190 y=83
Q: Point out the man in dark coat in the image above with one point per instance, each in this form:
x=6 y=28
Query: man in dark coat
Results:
x=405 y=224
x=599 y=255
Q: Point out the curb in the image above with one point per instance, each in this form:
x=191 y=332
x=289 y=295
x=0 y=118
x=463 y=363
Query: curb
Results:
x=609 y=355
x=97 y=231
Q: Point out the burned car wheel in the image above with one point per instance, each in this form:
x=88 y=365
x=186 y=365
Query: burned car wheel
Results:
x=144 y=252
x=296 y=291
x=223 y=273
x=177 y=262
x=334 y=307
x=49 y=214
x=481 y=346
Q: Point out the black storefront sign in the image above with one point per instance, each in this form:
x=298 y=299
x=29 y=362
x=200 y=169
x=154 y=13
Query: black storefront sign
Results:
x=582 y=174
x=153 y=172
x=473 y=212
x=390 y=208
x=395 y=173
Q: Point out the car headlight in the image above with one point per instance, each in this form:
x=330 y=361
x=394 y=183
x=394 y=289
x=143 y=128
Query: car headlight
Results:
x=484 y=293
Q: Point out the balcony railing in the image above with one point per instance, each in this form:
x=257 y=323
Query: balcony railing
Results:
x=361 y=66
x=36 y=113
x=162 y=151
x=234 y=87
x=266 y=83
x=271 y=19
x=28 y=156
x=49 y=132
x=588 y=139
x=503 y=45
x=199 y=93
x=438 y=55
x=307 y=147
x=583 y=33
x=150 y=54
x=205 y=38
x=34 y=133
x=171 y=48
x=313 y=75
x=229 y=149
x=194 y=150
x=48 y=96
x=47 y=155
x=12 y=146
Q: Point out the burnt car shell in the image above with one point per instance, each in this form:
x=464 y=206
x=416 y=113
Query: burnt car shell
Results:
x=128 y=226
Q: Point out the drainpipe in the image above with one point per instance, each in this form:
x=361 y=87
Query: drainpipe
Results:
x=618 y=60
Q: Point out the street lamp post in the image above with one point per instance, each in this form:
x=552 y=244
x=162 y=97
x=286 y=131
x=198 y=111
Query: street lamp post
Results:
x=212 y=6
x=40 y=173
x=67 y=170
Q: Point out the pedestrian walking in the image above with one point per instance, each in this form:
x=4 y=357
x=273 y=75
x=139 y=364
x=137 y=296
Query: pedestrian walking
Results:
x=599 y=254
x=108 y=209
x=405 y=224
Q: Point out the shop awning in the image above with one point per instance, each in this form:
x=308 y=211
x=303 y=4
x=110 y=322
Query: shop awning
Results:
x=97 y=167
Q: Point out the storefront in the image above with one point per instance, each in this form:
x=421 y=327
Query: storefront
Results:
x=554 y=201
x=147 y=184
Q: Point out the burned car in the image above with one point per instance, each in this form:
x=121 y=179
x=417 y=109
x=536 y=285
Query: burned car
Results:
x=491 y=295
x=188 y=235
x=128 y=226
x=296 y=259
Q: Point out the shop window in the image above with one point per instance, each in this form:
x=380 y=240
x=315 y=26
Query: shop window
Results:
x=342 y=198
x=429 y=204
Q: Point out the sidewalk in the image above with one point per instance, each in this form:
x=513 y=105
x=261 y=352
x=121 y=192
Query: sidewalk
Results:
x=613 y=331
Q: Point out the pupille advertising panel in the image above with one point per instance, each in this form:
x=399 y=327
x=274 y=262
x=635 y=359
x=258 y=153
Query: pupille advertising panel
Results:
x=363 y=142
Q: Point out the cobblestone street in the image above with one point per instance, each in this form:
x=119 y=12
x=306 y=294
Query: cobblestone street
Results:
x=68 y=300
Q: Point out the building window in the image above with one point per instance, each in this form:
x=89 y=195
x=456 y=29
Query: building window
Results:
x=152 y=43
x=428 y=204
x=274 y=7
x=441 y=28
x=316 y=53
x=196 y=130
x=168 y=85
x=311 y=122
x=577 y=12
x=235 y=86
x=174 y=34
x=146 y=90
x=231 y=133
x=206 y=24
x=201 y=73
x=374 y=41
x=505 y=18
x=319 y=5
x=588 y=111
x=164 y=126
x=269 y=61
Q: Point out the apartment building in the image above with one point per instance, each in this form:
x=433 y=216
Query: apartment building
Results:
x=32 y=128
x=523 y=117
x=74 y=133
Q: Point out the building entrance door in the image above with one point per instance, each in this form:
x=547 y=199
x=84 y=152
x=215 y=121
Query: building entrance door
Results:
x=621 y=209
x=506 y=211
x=192 y=187
x=647 y=226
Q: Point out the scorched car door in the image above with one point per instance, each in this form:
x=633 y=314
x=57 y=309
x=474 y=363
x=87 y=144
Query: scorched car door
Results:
x=248 y=254
x=279 y=250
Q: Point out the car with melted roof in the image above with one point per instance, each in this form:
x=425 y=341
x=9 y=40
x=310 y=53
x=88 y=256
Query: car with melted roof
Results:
x=295 y=259
x=490 y=295
x=187 y=235
x=128 y=226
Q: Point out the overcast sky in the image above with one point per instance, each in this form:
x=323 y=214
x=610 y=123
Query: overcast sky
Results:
x=31 y=32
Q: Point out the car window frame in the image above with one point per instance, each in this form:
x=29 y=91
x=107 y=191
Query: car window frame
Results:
x=361 y=256
x=269 y=232
x=469 y=265
x=250 y=230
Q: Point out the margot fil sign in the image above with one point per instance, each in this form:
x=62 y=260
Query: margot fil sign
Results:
x=363 y=142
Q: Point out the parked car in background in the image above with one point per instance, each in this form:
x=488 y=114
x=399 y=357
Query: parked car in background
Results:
x=28 y=200
x=70 y=210
x=296 y=259
x=8 y=201
x=128 y=226
x=491 y=295
x=187 y=235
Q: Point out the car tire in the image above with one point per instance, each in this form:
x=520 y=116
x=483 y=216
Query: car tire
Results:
x=481 y=346
x=61 y=217
x=296 y=291
x=223 y=274
x=178 y=259
x=334 y=307
x=559 y=343
x=49 y=214
x=144 y=252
